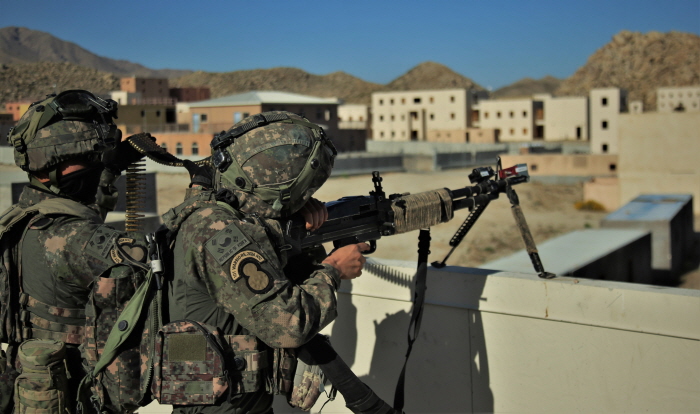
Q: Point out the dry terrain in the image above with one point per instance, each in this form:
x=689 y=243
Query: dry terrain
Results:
x=549 y=210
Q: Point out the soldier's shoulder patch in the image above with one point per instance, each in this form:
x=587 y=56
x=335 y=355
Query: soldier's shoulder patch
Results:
x=247 y=266
x=227 y=242
x=101 y=241
x=129 y=247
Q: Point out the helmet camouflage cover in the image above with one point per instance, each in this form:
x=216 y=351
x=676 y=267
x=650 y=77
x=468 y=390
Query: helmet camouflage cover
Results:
x=72 y=124
x=273 y=162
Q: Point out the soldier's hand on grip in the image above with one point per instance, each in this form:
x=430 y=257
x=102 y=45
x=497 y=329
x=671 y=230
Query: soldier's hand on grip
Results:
x=315 y=214
x=122 y=155
x=348 y=260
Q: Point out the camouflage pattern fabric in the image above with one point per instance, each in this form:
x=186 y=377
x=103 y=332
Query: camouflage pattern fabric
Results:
x=42 y=387
x=275 y=157
x=308 y=385
x=228 y=274
x=61 y=256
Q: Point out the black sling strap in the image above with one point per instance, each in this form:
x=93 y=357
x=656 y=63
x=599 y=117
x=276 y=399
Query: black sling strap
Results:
x=416 y=311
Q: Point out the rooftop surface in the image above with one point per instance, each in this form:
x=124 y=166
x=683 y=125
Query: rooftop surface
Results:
x=651 y=207
x=263 y=97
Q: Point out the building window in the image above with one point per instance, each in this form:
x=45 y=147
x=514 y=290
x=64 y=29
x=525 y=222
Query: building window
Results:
x=178 y=148
x=512 y=114
x=391 y=102
x=604 y=147
x=246 y=114
x=432 y=100
x=604 y=102
x=381 y=102
x=524 y=114
x=236 y=117
x=452 y=115
x=533 y=167
x=452 y=99
x=195 y=148
x=416 y=100
x=392 y=117
x=498 y=114
x=414 y=115
x=157 y=114
x=203 y=117
x=143 y=114
x=486 y=115
x=393 y=134
x=432 y=117
x=381 y=134
x=613 y=167
x=164 y=146
x=381 y=117
x=604 y=124
x=524 y=131
x=403 y=101
x=512 y=131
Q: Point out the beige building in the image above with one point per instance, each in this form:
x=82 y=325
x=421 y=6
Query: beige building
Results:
x=658 y=155
x=682 y=98
x=409 y=115
x=353 y=116
x=605 y=107
x=565 y=118
x=149 y=88
x=512 y=119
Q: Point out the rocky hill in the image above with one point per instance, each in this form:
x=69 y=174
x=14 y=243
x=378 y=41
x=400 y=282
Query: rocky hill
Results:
x=639 y=63
x=22 y=45
x=337 y=84
x=431 y=75
x=527 y=87
x=32 y=62
x=31 y=81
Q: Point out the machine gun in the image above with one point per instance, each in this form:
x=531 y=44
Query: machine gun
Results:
x=358 y=219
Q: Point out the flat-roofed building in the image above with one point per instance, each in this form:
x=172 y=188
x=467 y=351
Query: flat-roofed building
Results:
x=216 y=115
x=514 y=120
x=353 y=116
x=190 y=94
x=605 y=107
x=679 y=99
x=410 y=115
x=565 y=118
x=149 y=88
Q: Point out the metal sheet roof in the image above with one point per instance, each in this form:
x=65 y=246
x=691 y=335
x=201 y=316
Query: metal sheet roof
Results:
x=651 y=207
x=263 y=97
x=564 y=254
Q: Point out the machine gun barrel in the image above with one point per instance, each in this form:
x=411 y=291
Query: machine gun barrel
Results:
x=368 y=218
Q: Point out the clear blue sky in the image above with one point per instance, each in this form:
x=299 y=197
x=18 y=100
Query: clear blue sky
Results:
x=494 y=42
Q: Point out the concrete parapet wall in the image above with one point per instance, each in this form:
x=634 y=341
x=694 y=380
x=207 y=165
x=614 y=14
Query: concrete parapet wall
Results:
x=509 y=342
x=566 y=164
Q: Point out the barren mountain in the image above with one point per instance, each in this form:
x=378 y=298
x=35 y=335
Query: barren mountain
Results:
x=527 y=87
x=431 y=75
x=32 y=81
x=22 y=45
x=639 y=63
x=337 y=84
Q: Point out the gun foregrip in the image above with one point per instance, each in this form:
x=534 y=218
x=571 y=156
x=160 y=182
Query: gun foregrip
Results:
x=353 y=240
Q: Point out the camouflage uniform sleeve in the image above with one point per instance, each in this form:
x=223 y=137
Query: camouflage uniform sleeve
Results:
x=243 y=274
x=77 y=250
x=107 y=194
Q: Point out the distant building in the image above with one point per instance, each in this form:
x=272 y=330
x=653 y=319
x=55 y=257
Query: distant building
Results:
x=410 y=115
x=147 y=118
x=678 y=99
x=150 y=88
x=605 y=107
x=17 y=109
x=215 y=115
x=6 y=122
x=190 y=94
x=513 y=120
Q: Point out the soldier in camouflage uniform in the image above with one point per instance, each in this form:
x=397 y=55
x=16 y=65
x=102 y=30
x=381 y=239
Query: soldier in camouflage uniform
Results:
x=230 y=254
x=54 y=241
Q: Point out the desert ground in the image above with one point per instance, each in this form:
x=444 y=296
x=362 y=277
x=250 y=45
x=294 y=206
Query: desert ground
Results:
x=548 y=208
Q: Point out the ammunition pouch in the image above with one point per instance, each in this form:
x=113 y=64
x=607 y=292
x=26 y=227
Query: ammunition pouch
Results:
x=42 y=386
x=308 y=386
x=195 y=364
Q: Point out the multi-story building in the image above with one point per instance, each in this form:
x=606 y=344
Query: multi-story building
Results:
x=563 y=118
x=679 y=99
x=410 y=115
x=219 y=114
x=190 y=94
x=605 y=107
x=151 y=89
x=353 y=116
x=513 y=120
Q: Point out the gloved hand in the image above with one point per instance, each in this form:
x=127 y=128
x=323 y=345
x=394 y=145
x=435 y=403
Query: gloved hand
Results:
x=124 y=154
x=199 y=174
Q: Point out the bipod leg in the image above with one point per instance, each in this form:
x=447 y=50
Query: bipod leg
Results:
x=475 y=213
x=526 y=234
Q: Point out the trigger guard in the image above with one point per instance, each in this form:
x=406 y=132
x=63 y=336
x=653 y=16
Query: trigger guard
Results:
x=372 y=247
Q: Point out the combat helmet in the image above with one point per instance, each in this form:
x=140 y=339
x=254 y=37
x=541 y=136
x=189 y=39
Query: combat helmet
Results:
x=73 y=124
x=273 y=162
